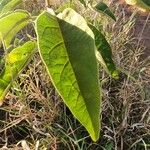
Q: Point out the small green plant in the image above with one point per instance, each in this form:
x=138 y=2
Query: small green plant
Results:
x=70 y=49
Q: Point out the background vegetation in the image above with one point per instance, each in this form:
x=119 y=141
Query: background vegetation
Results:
x=33 y=115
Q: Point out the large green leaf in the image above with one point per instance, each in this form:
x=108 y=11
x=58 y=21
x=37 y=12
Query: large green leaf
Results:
x=15 y=61
x=11 y=24
x=104 y=53
x=10 y=6
x=67 y=49
x=102 y=7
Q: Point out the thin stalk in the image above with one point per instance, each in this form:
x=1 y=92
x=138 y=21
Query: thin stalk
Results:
x=48 y=3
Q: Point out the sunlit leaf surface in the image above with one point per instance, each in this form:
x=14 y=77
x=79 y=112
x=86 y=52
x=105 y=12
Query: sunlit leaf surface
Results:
x=15 y=62
x=67 y=48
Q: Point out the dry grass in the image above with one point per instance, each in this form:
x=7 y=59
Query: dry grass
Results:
x=127 y=102
x=30 y=107
x=34 y=116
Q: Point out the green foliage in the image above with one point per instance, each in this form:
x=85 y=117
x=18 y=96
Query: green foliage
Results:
x=9 y=6
x=11 y=24
x=15 y=62
x=68 y=51
x=102 y=7
x=147 y=2
x=68 y=48
x=3 y=3
x=104 y=53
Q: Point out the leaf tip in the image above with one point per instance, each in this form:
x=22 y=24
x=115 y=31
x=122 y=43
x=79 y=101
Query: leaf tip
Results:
x=95 y=137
